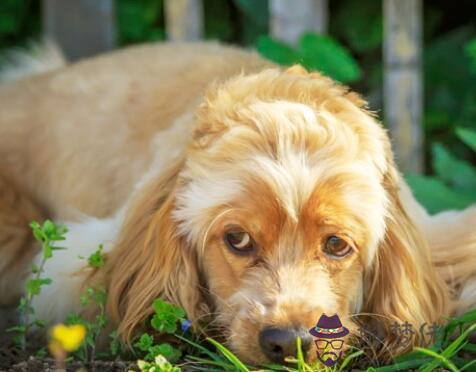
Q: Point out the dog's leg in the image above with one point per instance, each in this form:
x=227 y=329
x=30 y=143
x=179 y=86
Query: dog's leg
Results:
x=17 y=247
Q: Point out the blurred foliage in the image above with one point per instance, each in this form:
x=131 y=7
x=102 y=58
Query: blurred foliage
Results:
x=140 y=21
x=19 y=21
x=454 y=184
x=314 y=52
x=351 y=53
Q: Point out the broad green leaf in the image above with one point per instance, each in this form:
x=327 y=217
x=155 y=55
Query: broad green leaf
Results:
x=277 y=51
x=323 y=53
x=457 y=173
x=446 y=92
x=467 y=136
x=471 y=52
x=435 y=195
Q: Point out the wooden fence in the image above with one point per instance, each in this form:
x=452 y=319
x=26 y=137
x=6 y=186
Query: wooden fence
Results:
x=86 y=27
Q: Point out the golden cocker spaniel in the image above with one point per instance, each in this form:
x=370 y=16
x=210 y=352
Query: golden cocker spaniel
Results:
x=255 y=197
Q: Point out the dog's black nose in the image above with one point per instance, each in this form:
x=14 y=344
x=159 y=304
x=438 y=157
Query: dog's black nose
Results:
x=278 y=343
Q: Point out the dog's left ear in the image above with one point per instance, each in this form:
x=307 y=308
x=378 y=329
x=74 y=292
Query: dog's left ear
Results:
x=402 y=284
x=151 y=261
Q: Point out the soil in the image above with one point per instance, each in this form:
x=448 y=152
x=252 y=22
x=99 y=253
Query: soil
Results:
x=13 y=358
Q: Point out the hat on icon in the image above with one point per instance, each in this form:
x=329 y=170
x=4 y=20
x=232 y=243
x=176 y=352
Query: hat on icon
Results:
x=329 y=327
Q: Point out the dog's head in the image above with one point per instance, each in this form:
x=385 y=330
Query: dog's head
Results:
x=284 y=207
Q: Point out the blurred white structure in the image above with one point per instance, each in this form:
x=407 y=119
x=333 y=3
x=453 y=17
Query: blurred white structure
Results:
x=86 y=27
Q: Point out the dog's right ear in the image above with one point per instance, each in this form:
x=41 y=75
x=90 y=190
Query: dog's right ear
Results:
x=151 y=261
x=402 y=285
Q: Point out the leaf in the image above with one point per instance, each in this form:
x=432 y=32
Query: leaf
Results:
x=277 y=51
x=41 y=353
x=467 y=136
x=323 y=53
x=167 y=350
x=349 y=358
x=446 y=92
x=440 y=358
x=451 y=349
x=115 y=344
x=466 y=366
x=19 y=328
x=39 y=323
x=96 y=259
x=229 y=355
x=471 y=52
x=166 y=316
x=435 y=195
x=74 y=318
x=33 y=286
x=403 y=366
x=360 y=23
x=49 y=228
x=145 y=342
x=202 y=349
x=457 y=173
x=163 y=324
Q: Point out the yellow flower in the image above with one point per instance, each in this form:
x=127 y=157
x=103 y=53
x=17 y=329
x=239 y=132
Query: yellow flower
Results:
x=69 y=338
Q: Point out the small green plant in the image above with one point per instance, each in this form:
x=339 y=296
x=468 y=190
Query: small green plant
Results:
x=166 y=317
x=146 y=344
x=47 y=235
x=93 y=297
x=160 y=364
x=165 y=320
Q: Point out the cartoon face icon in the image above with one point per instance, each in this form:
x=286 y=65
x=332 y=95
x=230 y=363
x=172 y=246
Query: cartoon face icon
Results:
x=329 y=336
x=329 y=351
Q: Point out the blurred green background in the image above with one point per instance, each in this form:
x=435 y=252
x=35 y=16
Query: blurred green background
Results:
x=352 y=53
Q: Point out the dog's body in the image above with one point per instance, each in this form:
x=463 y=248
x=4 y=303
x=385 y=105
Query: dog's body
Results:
x=116 y=139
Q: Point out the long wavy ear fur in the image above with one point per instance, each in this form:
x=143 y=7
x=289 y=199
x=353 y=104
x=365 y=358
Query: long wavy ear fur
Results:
x=150 y=261
x=402 y=285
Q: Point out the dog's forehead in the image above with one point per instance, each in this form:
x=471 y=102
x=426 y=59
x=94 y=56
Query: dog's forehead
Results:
x=297 y=153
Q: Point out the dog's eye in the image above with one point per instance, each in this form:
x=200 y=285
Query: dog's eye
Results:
x=239 y=242
x=337 y=247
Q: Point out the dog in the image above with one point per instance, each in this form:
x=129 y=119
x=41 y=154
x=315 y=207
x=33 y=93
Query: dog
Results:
x=255 y=197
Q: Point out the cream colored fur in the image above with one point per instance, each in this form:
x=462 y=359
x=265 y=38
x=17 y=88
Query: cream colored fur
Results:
x=151 y=149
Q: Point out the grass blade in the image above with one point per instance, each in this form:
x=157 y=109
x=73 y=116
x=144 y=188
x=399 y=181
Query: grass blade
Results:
x=466 y=366
x=229 y=355
x=209 y=362
x=203 y=349
x=403 y=366
x=349 y=358
x=439 y=357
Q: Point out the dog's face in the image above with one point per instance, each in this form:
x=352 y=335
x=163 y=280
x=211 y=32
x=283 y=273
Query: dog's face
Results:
x=284 y=207
x=284 y=203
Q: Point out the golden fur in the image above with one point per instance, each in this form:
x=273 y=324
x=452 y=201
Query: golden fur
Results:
x=188 y=140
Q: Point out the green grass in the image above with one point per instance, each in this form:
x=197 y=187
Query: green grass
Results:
x=452 y=351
